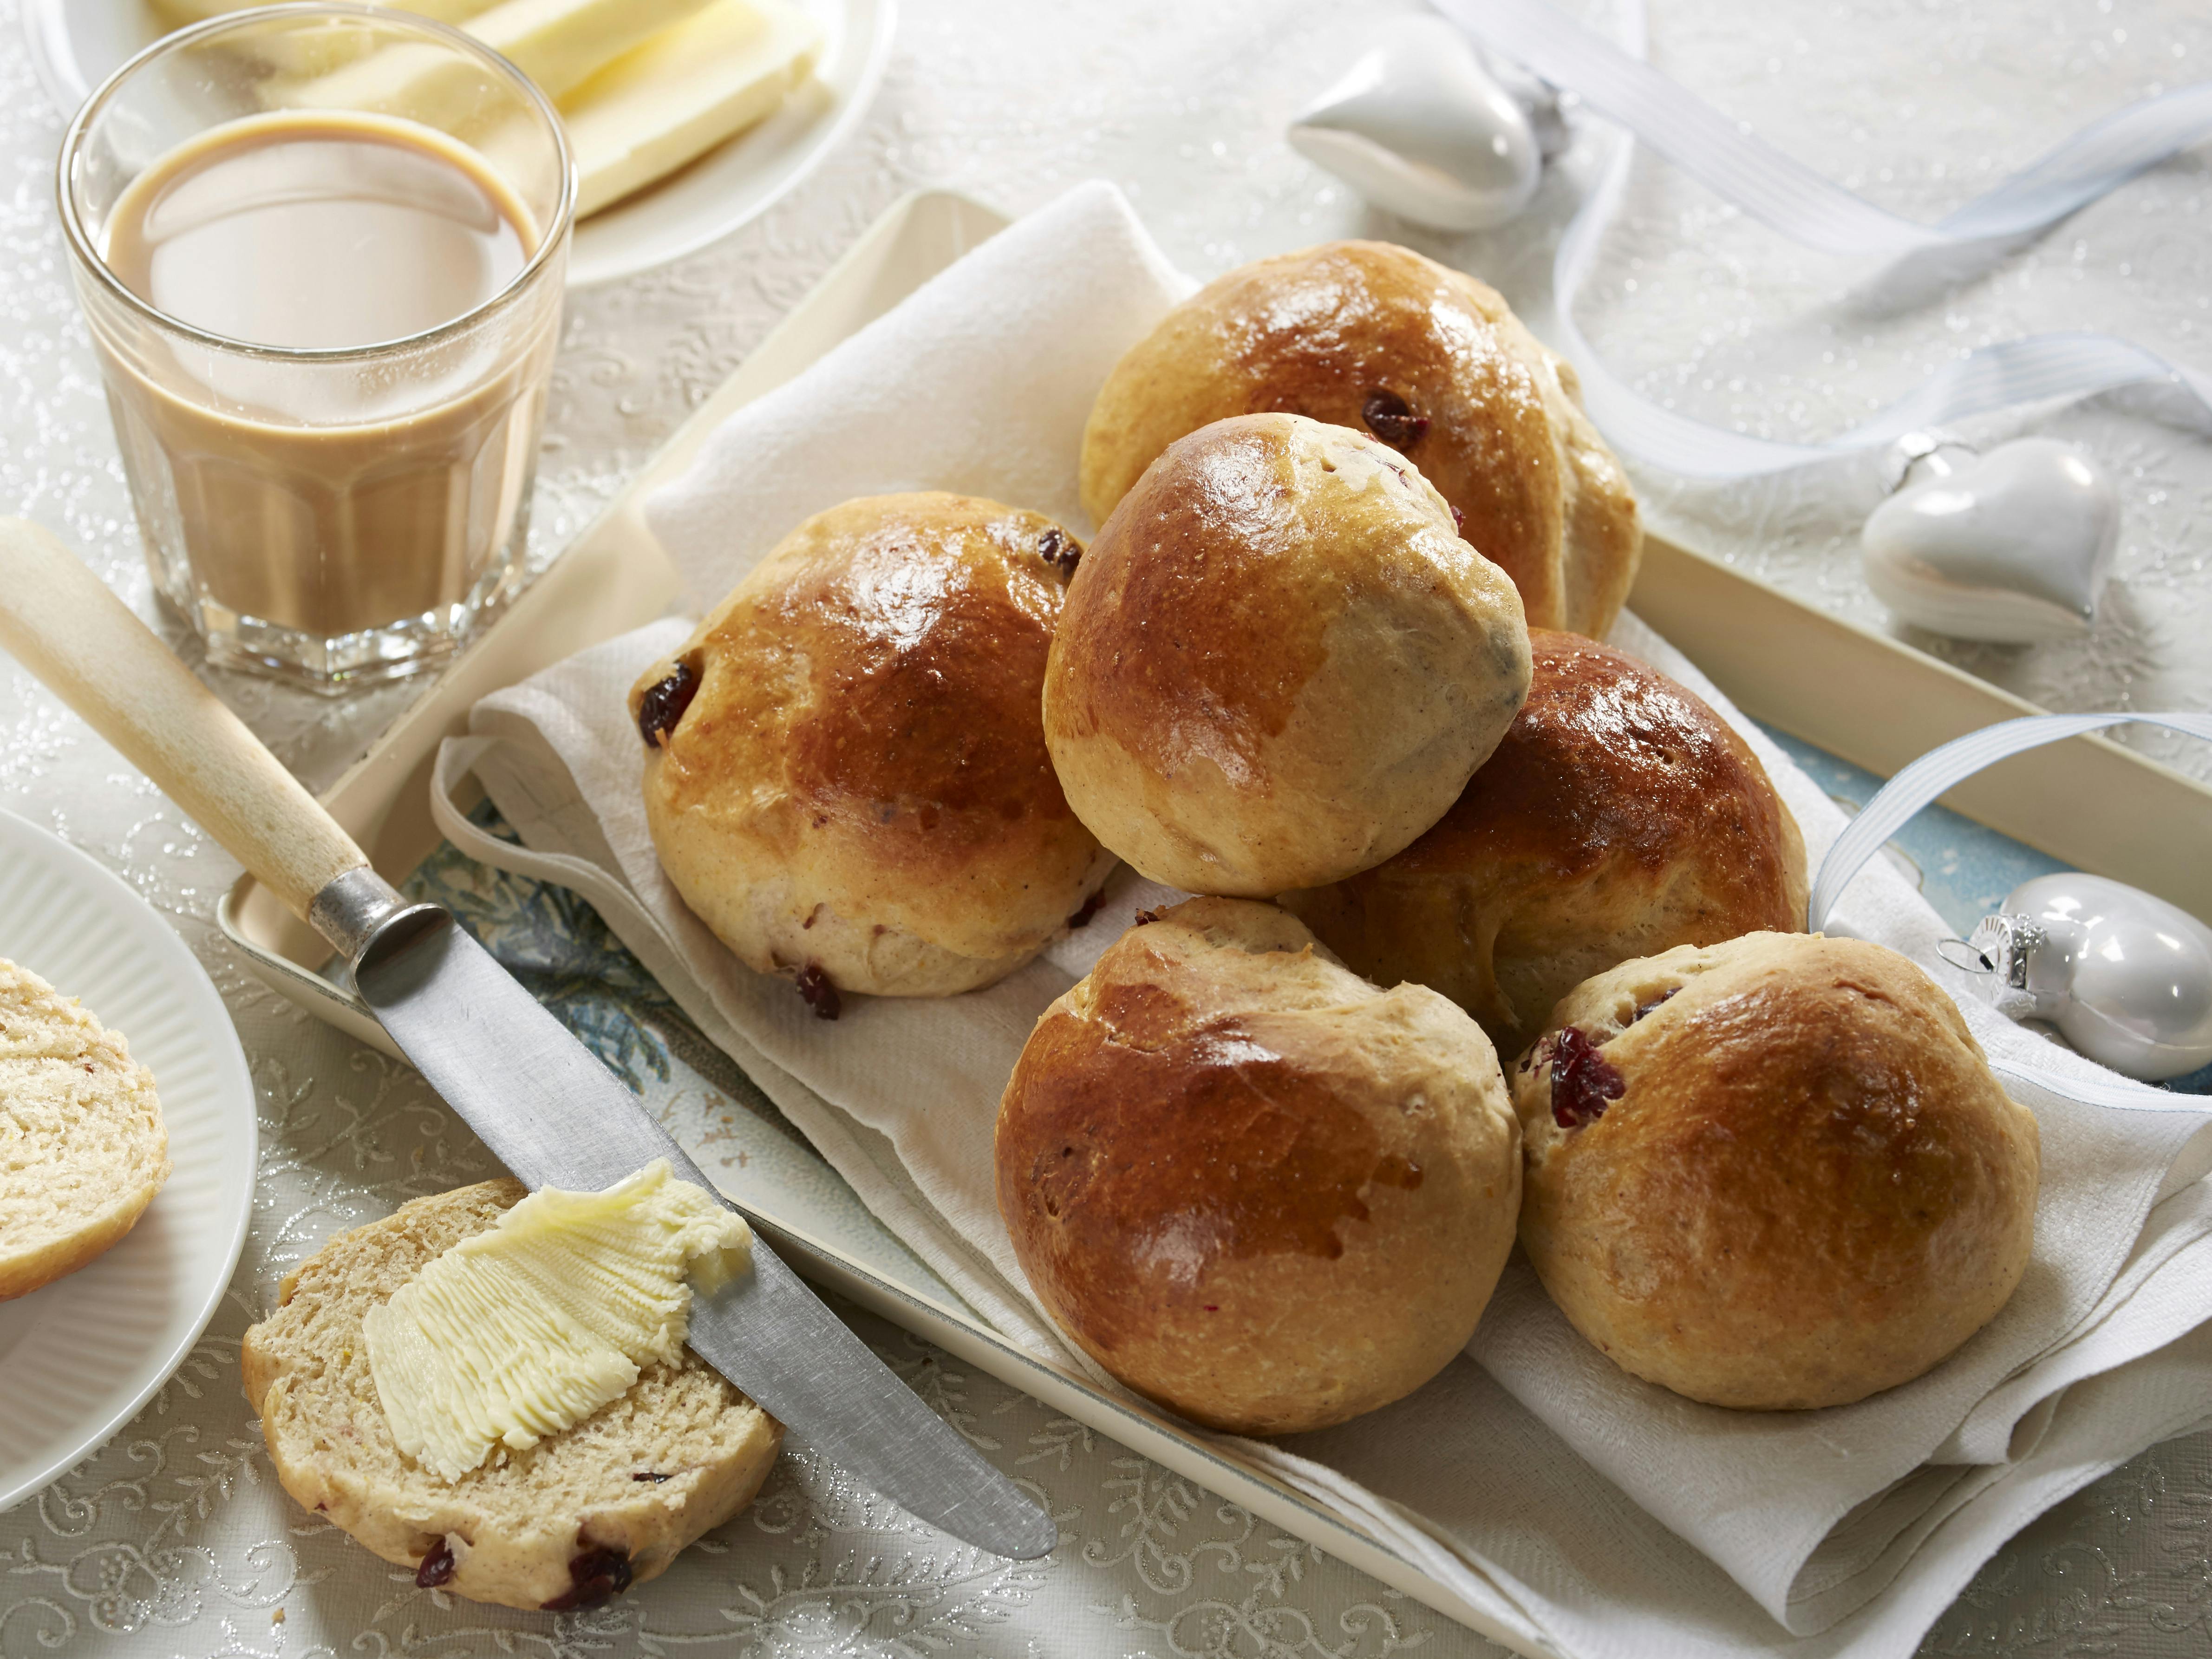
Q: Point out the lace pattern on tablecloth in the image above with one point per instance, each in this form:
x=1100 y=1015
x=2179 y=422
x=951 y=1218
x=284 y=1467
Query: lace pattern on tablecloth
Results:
x=175 y=1538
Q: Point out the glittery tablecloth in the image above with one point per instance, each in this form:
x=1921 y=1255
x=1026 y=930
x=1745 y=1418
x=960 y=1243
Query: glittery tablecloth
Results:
x=175 y=1538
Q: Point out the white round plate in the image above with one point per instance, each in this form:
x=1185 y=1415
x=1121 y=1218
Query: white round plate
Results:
x=77 y=44
x=79 y=1358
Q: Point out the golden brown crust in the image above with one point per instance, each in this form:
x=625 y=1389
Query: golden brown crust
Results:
x=860 y=779
x=1277 y=661
x=1773 y=1173
x=1375 y=337
x=1618 y=818
x=1251 y=1187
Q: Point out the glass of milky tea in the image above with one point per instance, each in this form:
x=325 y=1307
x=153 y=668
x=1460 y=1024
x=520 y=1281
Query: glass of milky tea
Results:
x=321 y=249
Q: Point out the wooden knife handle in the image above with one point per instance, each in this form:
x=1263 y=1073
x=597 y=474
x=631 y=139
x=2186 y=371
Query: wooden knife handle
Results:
x=61 y=621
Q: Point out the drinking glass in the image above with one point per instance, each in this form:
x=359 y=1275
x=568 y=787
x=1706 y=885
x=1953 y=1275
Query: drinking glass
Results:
x=332 y=516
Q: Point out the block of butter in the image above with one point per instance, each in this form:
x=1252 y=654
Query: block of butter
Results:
x=559 y=44
x=683 y=92
x=178 y=13
x=526 y=1329
x=304 y=52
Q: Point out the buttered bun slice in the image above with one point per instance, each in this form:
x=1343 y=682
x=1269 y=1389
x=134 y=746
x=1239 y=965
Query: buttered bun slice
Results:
x=572 y=1519
x=1250 y=1185
x=1374 y=336
x=1772 y=1173
x=82 y=1147
x=1278 y=662
x=846 y=773
x=1620 y=817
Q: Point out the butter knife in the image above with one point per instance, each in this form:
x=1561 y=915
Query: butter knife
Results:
x=540 y=1100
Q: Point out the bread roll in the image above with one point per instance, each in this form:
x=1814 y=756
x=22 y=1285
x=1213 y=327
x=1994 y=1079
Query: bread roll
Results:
x=1772 y=1173
x=1249 y=1184
x=578 y=1517
x=1620 y=816
x=845 y=772
x=1372 y=336
x=1278 y=664
x=82 y=1147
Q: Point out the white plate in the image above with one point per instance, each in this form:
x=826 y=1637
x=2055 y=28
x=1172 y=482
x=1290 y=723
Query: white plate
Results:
x=79 y=1358
x=77 y=44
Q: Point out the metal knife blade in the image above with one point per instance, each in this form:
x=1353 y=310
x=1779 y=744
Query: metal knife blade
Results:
x=556 y=1116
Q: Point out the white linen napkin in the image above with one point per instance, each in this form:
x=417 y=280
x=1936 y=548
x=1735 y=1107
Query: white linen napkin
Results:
x=1582 y=1508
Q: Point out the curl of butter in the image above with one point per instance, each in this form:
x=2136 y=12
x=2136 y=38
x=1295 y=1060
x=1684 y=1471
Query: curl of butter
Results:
x=528 y=1327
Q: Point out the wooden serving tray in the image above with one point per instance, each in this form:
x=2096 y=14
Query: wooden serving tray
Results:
x=1861 y=696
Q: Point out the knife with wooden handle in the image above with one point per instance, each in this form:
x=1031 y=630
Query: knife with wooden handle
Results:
x=538 y=1098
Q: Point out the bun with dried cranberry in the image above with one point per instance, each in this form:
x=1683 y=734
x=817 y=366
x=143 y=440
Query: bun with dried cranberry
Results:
x=1250 y=1185
x=1620 y=816
x=1775 y=1173
x=1373 y=337
x=845 y=769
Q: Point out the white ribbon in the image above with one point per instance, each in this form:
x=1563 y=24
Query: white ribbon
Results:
x=1929 y=777
x=1614 y=81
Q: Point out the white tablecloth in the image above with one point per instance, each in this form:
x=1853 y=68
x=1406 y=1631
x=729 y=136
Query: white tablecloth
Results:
x=174 y=1538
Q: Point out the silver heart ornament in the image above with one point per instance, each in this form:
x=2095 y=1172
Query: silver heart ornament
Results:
x=1421 y=127
x=2012 y=547
x=2125 y=977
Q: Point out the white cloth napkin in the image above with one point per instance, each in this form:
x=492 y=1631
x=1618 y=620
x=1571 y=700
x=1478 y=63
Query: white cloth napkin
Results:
x=1579 y=1507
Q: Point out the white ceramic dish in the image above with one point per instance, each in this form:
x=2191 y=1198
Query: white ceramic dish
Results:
x=80 y=1357
x=76 y=44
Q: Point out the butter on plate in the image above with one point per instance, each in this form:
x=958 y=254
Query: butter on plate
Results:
x=179 y=12
x=559 y=44
x=526 y=1329
x=683 y=92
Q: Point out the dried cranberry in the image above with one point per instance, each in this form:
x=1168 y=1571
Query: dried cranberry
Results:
x=648 y=1474
x=1089 y=909
x=821 y=995
x=592 y=1577
x=1060 y=550
x=1459 y=519
x=1145 y=918
x=1391 y=418
x=1644 y=1008
x=663 y=705
x=436 y=1568
x=1582 y=1084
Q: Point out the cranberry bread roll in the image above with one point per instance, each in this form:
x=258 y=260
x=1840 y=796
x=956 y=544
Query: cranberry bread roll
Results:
x=1776 y=1173
x=845 y=773
x=1253 y=1186
x=1619 y=817
x=1278 y=663
x=1432 y=362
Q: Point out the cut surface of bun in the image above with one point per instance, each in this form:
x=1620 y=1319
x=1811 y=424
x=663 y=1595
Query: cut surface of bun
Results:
x=576 y=1518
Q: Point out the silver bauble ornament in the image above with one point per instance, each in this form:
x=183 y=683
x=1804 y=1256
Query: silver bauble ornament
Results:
x=2125 y=977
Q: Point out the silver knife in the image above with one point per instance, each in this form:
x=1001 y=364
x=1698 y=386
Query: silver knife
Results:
x=536 y=1098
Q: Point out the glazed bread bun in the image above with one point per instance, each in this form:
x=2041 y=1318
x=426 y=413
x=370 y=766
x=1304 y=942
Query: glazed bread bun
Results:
x=1250 y=1185
x=1619 y=817
x=845 y=773
x=1775 y=1173
x=1278 y=663
x=1374 y=336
